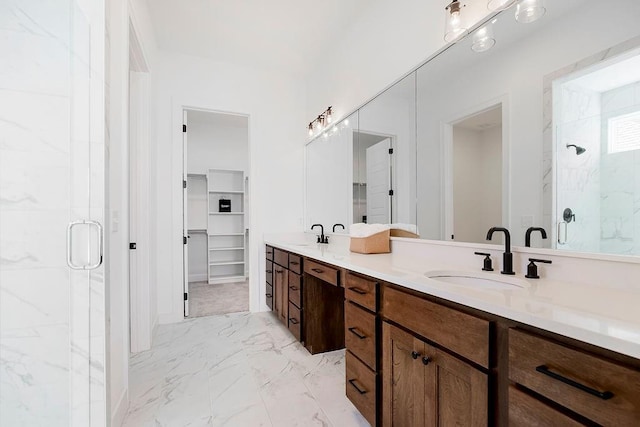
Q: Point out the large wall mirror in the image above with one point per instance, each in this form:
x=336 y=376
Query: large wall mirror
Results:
x=541 y=129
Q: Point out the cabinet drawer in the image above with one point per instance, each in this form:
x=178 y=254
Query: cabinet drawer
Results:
x=295 y=321
x=361 y=290
x=360 y=333
x=269 y=296
x=295 y=263
x=269 y=272
x=321 y=271
x=596 y=388
x=459 y=332
x=361 y=387
x=527 y=411
x=269 y=253
x=281 y=257
x=295 y=289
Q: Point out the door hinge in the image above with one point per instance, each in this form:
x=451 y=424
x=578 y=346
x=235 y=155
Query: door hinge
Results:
x=184 y=128
x=184 y=240
x=184 y=184
x=390 y=150
x=132 y=245
x=186 y=296
x=391 y=192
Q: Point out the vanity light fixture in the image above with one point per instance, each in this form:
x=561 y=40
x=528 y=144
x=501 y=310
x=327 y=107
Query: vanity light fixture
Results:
x=319 y=122
x=528 y=11
x=499 y=5
x=483 y=38
x=454 y=26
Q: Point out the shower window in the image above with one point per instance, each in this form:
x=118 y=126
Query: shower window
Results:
x=624 y=132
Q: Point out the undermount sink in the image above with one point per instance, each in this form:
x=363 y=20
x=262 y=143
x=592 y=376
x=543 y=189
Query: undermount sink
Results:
x=478 y=280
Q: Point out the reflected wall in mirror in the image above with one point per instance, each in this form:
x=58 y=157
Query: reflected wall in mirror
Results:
x=329 y=163
x=387 y=144
x=595 y=144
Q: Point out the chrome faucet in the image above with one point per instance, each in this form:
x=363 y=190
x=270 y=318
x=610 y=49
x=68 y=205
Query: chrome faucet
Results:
x=321 y=238
x=527 y=236
x=507 y=257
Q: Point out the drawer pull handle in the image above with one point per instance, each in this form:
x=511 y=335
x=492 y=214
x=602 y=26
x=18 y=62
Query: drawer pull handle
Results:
x=358 y=290
x=415 y=355
x=293 y=288
x=317 y=270
x=294 y=321
x=294 y=263
x=359 y=389
x=604 y=395
x=269 y=271
x=279 y=271
x=269 y=296
x=357 y=333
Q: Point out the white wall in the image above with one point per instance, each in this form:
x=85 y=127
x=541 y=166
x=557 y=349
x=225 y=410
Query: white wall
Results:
x=216 y=146
x=274 y=103
x=389 y=39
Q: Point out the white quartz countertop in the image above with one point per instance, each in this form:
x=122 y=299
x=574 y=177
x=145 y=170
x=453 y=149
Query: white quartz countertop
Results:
x=605 y=316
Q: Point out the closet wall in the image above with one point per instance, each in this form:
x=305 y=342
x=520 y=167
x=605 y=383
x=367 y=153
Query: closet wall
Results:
x=215 y=141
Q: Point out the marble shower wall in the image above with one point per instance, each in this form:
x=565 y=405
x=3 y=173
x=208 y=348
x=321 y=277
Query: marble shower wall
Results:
x=578 y=176
x=51 y=172
x=620 y=179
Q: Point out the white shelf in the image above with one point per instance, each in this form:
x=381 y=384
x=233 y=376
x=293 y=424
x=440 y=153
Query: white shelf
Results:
x=226 y=213
x=226 y=191
x=214 y=264
x=227 y=249
x=226 y=278
x=226 y=234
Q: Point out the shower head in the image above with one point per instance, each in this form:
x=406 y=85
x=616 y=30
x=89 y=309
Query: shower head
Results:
x=579 y=150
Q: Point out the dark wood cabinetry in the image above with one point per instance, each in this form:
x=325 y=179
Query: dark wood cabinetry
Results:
x=426 y=386
x=414 y=359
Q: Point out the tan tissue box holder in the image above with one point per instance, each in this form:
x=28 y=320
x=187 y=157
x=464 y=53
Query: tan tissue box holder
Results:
x=375 y=244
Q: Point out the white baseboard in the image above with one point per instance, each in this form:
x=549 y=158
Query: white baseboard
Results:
x=121 y=409
x=166 y=318
x=198 y=277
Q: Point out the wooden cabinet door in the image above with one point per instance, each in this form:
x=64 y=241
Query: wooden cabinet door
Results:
x=403 y=379
x=456 y=394
x=281 y=284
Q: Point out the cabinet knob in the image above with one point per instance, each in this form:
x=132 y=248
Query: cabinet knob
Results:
x=426 y=360
x=415 y=354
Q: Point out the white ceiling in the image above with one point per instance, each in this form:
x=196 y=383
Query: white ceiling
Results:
x=278 y=34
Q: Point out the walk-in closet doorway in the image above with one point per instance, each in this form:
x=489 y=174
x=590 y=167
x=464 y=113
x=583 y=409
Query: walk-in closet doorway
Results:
x=216 y=205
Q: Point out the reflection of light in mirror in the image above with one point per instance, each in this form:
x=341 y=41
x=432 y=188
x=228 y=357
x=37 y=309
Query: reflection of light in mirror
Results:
x=346 y=122
x=529 y=11
x=325 y=135
x=334 y=129
x=499 y=5
x=483 y=39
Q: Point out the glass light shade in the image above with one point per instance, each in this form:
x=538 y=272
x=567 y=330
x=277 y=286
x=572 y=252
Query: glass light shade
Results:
x=455 y=25
x=483 y=39
x=310 y=130
x=498 y=5
x=528 y=11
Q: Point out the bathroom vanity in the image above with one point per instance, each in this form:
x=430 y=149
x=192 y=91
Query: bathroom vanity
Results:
x=422 y=353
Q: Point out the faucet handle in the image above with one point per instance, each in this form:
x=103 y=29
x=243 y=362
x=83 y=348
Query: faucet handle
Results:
x=487 y=261
x=532 y=268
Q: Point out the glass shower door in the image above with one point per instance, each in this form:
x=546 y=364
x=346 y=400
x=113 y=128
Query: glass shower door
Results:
x=52 y=140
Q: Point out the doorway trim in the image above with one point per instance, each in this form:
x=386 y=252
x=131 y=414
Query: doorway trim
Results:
x=446 y=136
x=141 y=324
x=178 y=106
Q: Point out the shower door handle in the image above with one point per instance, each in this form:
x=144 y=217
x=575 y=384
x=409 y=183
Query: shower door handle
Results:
x=562 y=225
x=99 y=229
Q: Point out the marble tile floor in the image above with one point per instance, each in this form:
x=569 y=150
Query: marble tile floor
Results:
x=242 y=369
x=223 y=298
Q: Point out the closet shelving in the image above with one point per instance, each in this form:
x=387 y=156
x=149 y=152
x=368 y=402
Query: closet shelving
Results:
x=226 y=230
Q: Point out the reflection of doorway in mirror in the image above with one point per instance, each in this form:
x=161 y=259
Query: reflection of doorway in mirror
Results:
x=475 y=181
x=596 y=139
x=372 y=178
